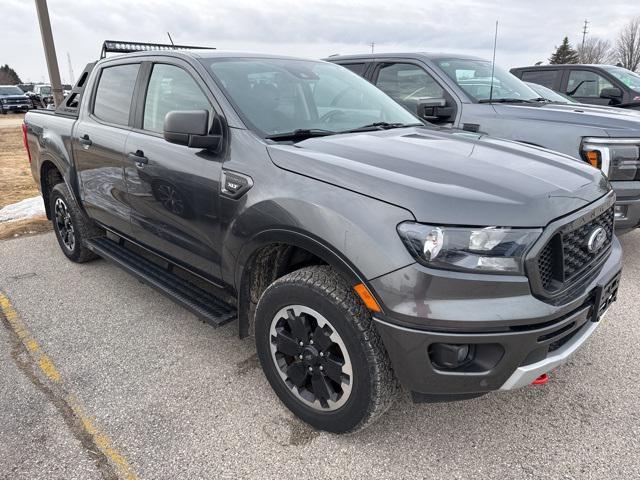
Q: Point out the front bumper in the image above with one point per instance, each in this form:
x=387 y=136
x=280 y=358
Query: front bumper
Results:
x=515 y=336
x=12 y=107
x=627 y=205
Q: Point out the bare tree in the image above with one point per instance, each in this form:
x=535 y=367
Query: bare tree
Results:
x=628 y=45
x=596 y=50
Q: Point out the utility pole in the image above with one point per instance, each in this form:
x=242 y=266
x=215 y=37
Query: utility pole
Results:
x=584 y=32
x=49 y=50
x=372 y=44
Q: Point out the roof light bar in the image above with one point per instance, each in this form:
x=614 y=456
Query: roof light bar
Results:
x=118 y=46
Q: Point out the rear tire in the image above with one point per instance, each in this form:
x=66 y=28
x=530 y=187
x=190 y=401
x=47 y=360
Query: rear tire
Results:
x=72 y=227
x=342 y=381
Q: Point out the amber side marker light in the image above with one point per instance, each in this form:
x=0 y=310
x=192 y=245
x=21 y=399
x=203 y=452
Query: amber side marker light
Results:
x=593 y=157
x=366 y=297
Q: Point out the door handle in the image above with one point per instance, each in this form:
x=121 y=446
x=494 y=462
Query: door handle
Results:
x=138 y=157
x=85 y=141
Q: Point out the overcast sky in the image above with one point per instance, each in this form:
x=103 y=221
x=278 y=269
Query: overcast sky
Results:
x=528 y=31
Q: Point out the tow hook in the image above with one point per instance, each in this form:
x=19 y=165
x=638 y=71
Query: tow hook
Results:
x=541 y=380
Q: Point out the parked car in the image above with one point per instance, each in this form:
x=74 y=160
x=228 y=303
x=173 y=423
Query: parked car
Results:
x=12 y=99
x=360 y=246
x=41 y=96
x=596 y=84
x=457 y=91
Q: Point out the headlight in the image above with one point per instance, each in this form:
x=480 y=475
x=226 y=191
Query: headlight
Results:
x=4 y=100
x=619 y=158
x=473 y=249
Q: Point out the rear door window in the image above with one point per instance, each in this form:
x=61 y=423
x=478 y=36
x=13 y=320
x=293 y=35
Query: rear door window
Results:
x=114 y=93
x=547 y=78
x=357 y=68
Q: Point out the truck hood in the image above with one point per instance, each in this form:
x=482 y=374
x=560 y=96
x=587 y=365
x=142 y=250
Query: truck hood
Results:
x=617 y=122
x=449 y=178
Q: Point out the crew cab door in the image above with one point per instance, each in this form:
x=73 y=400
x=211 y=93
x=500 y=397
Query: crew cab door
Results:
x=173 y=190
x=98 y=145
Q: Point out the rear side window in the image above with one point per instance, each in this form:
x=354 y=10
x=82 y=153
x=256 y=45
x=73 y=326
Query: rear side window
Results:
x=171 y=88
x=358 y=68
x=114 y=93
x=546 y=78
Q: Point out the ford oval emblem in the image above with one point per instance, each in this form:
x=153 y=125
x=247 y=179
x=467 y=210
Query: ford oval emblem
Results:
x=597 y=239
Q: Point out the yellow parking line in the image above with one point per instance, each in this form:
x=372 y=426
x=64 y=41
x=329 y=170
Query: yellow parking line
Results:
x=48 y=368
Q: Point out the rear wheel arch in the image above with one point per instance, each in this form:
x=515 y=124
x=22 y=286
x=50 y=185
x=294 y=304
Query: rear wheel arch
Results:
x=50 y=176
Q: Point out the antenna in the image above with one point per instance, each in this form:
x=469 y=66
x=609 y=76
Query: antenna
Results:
x=372 y=44
x=493 y=62
x=171 y=39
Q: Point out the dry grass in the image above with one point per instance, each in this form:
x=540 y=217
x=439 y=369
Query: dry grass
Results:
x=16 y=181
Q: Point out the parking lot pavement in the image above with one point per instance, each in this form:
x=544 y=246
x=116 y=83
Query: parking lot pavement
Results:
x=145 y=390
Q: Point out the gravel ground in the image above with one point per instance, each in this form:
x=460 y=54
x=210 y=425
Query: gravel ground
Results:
x=177 y=399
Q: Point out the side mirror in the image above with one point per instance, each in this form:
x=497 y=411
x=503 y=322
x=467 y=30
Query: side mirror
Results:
x=434 y=109
x=613 y=93
x=190 y=128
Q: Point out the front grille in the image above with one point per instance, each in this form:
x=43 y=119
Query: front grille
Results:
x=566 y=256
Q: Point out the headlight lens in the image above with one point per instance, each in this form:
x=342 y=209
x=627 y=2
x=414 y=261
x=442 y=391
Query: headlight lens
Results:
x=619 y=158
x=473 y=249
x=4 y=100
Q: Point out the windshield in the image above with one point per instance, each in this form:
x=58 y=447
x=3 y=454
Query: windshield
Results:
x=474 y=77
x=11 y=90
x=629 y=78
x=276 y=96
x=548 y=94
x=45 y=90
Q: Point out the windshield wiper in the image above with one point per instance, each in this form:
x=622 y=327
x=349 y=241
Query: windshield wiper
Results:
x=506 y=100
x=301 y=134
x=381 y=126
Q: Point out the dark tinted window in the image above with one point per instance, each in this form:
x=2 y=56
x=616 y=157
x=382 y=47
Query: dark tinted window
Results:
x=114 y=93
x=541 y=77
x=171 y=88
x=358 y=68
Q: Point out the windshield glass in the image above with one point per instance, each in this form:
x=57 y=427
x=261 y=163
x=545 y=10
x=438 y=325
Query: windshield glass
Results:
x=629 y=78
x=549 y=94
x=11 y=90
x=474 y=77
x=277 y=96
x=45 y=90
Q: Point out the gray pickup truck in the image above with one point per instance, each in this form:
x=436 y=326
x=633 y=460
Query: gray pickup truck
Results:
x=457 y=91
x=359 y=246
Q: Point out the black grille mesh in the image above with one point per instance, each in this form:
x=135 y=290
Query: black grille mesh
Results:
x=566 y=255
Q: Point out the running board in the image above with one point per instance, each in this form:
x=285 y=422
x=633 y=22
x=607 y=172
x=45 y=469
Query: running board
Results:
x=206 y=306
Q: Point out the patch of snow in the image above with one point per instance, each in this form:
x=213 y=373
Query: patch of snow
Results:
x=30 y=207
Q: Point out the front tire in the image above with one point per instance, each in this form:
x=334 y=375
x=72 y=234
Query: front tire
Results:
x=72 y=227
x=321 y=353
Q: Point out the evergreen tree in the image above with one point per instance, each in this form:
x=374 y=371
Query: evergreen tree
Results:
x=564 y=53
x=8 y=76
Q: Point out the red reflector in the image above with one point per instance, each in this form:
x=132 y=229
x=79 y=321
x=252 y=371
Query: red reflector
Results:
x=25 y=141
x=541 y=380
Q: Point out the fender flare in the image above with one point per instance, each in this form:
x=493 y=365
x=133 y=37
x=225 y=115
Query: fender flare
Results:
x=328 y=254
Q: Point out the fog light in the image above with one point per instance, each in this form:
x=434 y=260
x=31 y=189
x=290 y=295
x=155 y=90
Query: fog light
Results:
x=449 y=355
x=620 y=212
